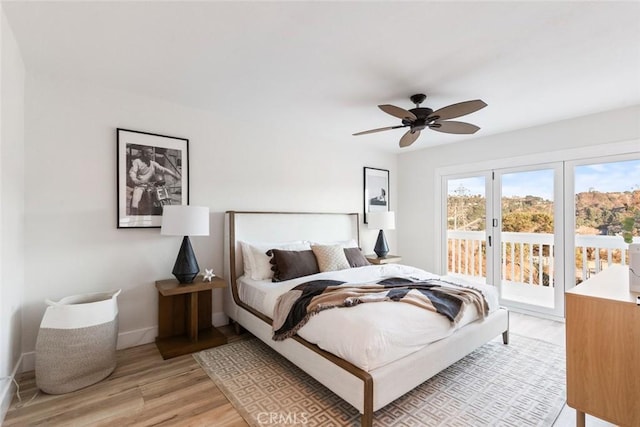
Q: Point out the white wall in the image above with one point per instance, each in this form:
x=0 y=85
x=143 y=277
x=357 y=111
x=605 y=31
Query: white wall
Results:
x=416 y=170
x=72 y=243
x=73 y=246
x=12 y=75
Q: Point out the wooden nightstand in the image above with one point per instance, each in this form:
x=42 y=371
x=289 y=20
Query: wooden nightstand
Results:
x=184 y=317
x=373 y=259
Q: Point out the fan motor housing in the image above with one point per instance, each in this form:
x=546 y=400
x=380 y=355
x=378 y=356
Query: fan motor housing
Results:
x=422 y=114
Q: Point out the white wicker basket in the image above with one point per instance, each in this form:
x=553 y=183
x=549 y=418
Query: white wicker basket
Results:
x=76 y=344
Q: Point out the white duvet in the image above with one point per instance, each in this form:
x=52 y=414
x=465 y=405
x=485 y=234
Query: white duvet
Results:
x=373 y=334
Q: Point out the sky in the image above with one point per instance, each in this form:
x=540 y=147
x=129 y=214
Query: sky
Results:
x=603 y=177
x=608 y=177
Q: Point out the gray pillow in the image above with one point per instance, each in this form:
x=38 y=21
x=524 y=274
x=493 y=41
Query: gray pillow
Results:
x=289 y=265
x=355 y=257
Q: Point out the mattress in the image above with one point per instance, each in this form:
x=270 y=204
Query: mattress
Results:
x=368 y=335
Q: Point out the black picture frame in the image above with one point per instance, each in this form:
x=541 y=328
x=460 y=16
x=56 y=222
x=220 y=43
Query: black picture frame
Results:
x=376 y=191
x=152 y=171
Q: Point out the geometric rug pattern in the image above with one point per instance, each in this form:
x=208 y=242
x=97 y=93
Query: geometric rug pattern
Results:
x=520 y=384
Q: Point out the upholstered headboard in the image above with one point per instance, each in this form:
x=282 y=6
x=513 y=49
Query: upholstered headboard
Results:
x=274 y=227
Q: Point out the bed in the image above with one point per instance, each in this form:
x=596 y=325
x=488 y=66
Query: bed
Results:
x=367 y=382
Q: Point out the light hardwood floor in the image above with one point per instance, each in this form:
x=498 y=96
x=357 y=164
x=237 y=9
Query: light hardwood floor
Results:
x=146 y=390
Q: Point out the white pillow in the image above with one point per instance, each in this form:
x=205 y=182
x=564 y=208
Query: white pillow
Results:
x=343 y=243
x=256 y=261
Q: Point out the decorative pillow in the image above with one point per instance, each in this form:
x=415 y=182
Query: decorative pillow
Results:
x=355 y=257
x=256 y=261
x=289 y=265
x=246 y=258
x=330 y=257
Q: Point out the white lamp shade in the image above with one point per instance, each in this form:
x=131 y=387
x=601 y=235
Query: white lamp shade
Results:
x=185 y=220
x=382 y=220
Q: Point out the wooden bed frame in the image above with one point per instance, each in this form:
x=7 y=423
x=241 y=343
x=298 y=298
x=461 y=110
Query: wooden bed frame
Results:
x=366 y=391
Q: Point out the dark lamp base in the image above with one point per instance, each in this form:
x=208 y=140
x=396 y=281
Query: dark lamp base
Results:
x=185 y=279
x=382 y=248
x=186 y=267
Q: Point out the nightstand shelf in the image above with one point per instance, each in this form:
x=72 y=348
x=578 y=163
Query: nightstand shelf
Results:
x=389 y=259
x=184 y=317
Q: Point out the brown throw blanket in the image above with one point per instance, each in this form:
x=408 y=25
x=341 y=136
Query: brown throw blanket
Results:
x=294 y=308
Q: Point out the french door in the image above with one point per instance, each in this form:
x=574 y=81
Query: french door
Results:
x=604 y=192
x=503 y=227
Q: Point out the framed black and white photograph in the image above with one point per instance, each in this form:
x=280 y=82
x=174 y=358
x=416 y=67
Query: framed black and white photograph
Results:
x=152 y=172
x=376 y=191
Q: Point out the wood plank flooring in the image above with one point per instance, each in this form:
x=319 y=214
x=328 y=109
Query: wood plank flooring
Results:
x=146 y=390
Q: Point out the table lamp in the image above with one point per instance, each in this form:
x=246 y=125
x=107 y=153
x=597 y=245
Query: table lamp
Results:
x=381 y=221
x=185 y=221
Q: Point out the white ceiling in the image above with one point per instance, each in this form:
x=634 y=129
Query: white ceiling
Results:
x=324 y=66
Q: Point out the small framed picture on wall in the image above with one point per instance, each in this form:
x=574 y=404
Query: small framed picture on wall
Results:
x=376 y=191
x=152 y=172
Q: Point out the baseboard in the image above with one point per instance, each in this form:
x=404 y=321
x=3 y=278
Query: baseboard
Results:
x=28 y=361
x=219 y=319
x=137 y=337
x=125 y=340
x=7 y=390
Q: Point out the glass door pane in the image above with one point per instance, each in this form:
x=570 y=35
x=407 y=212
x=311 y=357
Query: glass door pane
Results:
x=606 y=194
x=527 y=239
x=466 y=218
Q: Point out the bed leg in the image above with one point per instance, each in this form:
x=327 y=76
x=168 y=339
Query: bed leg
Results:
x=505 y=334
x=366 y=420
x=367 y=417
x=238 y=329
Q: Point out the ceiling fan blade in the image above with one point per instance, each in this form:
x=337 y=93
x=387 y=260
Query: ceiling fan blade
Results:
x=364 y=132
x=398 y=112
x=409 y=138
x=454 y=127
x=457 y=110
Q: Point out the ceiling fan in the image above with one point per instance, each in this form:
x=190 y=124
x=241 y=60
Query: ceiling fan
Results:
x=420 y=117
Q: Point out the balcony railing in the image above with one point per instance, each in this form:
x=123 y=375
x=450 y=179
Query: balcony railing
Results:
x=528 y=257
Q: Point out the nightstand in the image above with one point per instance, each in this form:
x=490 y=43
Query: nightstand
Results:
x=373 y=259
x=184 y=317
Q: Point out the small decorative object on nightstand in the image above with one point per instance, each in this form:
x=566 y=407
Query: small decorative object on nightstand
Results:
x=184 y=317
x=208 y=274
x=389 y=259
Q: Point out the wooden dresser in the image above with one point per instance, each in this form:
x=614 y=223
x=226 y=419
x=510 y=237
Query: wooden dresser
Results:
x=603 y=348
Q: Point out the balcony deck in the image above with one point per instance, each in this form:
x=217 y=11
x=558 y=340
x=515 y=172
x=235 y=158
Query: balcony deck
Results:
x=527 y=262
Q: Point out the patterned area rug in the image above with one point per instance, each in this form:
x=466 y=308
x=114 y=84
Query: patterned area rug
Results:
x=520 y=384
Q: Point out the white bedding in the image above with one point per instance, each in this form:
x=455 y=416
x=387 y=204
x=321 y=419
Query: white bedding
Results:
x=373 y=334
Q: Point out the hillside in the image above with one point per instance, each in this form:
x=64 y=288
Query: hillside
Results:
x=604 y=212
x=596 y=212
